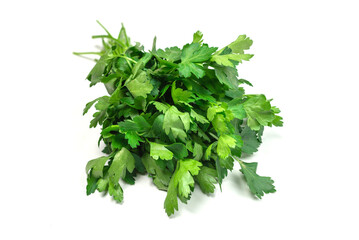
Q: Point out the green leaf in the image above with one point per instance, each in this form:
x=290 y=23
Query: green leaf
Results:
x=250 y=140
x=257 y=184
x=158 y=150
x=115 y=190
x=206 y=179
x=225 y=142
x=235 y=93
x=171 y=54
x=109 y=131
x=89 y=105
x=196 y=53
x=227 y=76
x=160 y=106
x=97 y=71
x=221 y=173
x=103 y=103
x=176 y=122
x=220 y=124
x=138 y=124
x=240 y=44
x=102 y=184
x=178 y=149
x=91 y=185
x=159 y=174
x=122 y=160
x=140 y=86
x=258 y=111
x=96 y=165
x=197 y=151
x=225 y=60
x=208 y=152
x=237 y=108
x=133 y=139
x=227 y=163
x=122 y=36
x=142 y=123
x=181 y=183
x=212 y=111
x=98 y=118
x=191 y=54
x=171 y=202
x=197 y=37
x=198 y=117
x=179 y=94
x=188 y=68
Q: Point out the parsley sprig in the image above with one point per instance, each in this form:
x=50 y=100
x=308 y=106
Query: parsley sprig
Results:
x=180 y=115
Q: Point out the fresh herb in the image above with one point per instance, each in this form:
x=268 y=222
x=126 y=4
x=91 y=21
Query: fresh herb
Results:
x=180 y=115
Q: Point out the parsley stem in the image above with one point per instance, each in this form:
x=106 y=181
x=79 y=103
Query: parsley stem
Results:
x=109 y=37
x=83 y=53
x=127 y=58
x=104 y=28
x=214 y=136
x=165 y=61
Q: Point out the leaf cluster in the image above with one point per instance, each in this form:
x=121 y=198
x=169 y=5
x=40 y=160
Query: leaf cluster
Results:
x=180 y=115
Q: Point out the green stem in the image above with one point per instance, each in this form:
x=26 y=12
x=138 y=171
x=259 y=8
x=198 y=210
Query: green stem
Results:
x=84 y=53
x=109 y=37
x=165 y=62
x=127 y=58
x=104 y=28
x=214 y=136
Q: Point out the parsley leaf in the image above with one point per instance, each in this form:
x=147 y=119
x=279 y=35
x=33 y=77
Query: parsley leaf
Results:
x=181 y=183
x=257 y=184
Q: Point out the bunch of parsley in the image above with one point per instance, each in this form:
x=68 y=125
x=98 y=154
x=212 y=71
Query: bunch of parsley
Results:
x=179 y=115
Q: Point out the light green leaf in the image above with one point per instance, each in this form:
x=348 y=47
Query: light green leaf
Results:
x=191 y=54
x=160 y=106
x=122 y=160
x=212 y=111
x=97 y=166
x=186 y=69
x=176 y=122
x=181 y=183
x=240 y=44
x=115 y=190
x=208 y=152
x=224 y=60
x=198 y=117
x=140 y=86
x=258 y=111
x=220 y=124
x=171 y=54
x=237 y=108
x=178 y=94
x=197 y=151
x=196 y=53
x=158 y=150
x=225 y=142
x=197 y=37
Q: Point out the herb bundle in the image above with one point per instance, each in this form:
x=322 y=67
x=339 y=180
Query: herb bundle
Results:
x=180 y=115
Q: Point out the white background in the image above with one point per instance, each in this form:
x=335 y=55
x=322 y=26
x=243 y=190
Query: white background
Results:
x=306 y=58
